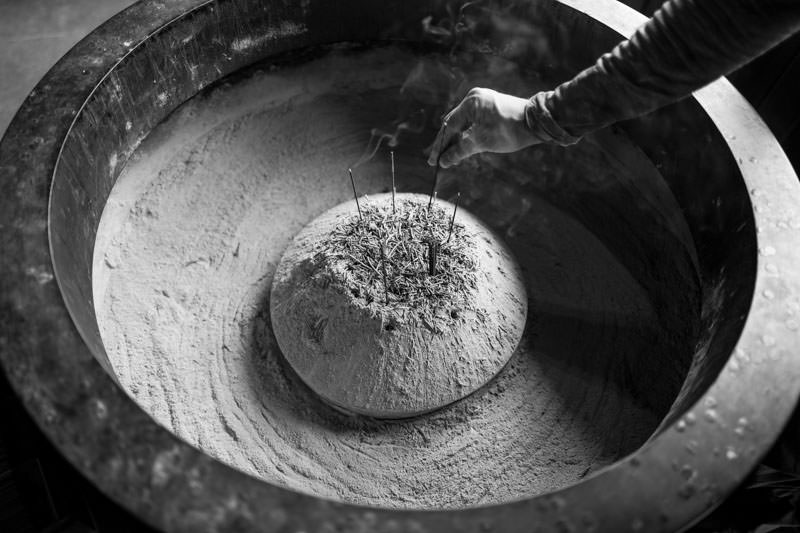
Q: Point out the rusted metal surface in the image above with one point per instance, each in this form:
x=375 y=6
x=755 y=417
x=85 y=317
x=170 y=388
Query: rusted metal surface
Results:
x=67 y=144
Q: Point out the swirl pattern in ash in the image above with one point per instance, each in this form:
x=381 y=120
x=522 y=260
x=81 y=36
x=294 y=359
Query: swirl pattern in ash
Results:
x=183 y=265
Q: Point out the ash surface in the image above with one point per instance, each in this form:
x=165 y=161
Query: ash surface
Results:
x=194 y=230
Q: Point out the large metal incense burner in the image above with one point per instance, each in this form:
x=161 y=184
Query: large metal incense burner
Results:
x=726 y=265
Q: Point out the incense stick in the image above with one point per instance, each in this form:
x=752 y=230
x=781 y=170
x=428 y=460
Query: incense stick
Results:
x=436 y=169
x=383 y=267
x=453 y=218
x=394 y=189
x=355 y=194
x=433 y=248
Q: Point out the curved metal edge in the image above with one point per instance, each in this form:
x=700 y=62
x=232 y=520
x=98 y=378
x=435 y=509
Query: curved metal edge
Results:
x=723 y=433
x=99 y=349
x=190 y=492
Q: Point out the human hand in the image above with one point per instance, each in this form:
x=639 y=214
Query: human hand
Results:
x=484 y=121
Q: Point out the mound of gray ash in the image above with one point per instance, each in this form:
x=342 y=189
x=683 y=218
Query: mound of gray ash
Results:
x=394 y=313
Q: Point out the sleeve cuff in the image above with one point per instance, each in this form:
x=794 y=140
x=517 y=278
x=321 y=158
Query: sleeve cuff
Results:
x=542 y=124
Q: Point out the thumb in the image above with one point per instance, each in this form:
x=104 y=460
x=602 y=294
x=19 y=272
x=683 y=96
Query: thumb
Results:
x=452 y=127
x=465 y=146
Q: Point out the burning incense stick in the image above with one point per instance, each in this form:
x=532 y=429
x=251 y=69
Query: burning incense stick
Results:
x=355 y=194
x=394 y=189
x=436 y=169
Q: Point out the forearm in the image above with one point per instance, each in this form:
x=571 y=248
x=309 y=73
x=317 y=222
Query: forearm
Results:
x=686 y=45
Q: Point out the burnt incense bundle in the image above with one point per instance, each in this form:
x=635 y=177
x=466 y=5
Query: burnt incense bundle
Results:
x=414 y=278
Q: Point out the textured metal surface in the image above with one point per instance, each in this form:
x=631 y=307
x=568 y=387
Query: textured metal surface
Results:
x=77 y=128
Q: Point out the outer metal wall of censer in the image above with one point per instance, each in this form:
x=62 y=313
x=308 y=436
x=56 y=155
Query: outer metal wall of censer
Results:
x=62 y=154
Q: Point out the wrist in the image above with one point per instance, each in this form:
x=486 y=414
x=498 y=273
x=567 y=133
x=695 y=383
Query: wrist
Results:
x=542 y=125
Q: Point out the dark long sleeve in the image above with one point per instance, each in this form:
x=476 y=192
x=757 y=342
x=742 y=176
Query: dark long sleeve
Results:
x=686 y=45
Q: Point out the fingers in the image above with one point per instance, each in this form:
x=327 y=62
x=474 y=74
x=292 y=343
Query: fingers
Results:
x=465 y=146
x=454 y=124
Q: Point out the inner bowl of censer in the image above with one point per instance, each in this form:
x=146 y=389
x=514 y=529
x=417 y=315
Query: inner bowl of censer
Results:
x=397 y=309
x=157 y=176
x=239 y=331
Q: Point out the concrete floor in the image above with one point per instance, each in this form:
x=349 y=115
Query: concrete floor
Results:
x=34 y=34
